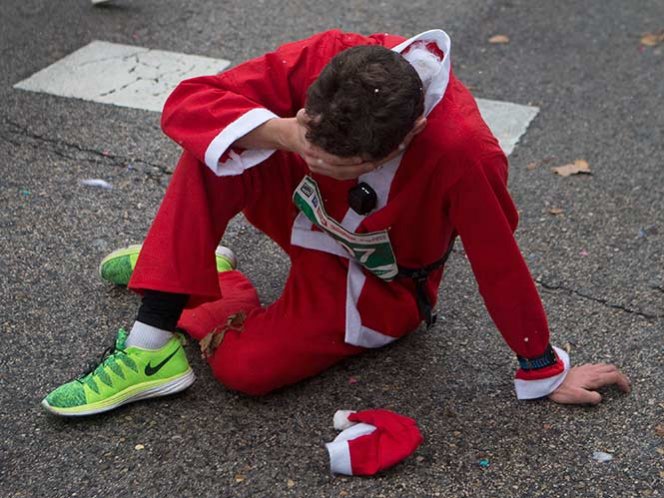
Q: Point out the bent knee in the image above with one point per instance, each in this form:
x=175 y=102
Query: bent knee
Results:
x=248 y=377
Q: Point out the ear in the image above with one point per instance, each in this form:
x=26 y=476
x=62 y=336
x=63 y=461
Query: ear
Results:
x=420 y=124
x=302 y=117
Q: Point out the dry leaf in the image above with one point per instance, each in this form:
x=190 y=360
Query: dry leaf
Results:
x=139 y=447
x=547 y=427
x=239 y=478
x=661 y=474
x=568 y=347
x=499 y=39
x=652 y=39
x=532 y=166
x=660 y=451
x=660 y=430
x=343 y=493
x=556 y=211
x=578 y=167
x=290 y=483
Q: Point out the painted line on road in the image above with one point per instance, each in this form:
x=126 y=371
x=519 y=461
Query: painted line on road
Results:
x=142 y=78
x=122 y=75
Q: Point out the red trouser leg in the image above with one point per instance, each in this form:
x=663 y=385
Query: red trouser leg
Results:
x=298 y=336
x=239 y=296
x=178 y=253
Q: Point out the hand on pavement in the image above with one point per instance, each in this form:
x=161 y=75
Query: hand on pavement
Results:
x=579 y=387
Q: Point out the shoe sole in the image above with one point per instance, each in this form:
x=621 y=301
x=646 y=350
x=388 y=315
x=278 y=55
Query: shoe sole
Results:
x=125 y=251
x=227 y=254
x=152 y=389
x=221 y=251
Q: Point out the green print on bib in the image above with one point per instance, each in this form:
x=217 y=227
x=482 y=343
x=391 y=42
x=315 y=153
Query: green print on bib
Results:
x=372 y=250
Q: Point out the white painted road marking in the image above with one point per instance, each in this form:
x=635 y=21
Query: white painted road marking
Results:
x=121 y=75
x=507 y=121
x=142 y=78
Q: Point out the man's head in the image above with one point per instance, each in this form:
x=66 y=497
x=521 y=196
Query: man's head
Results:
x=364 y=103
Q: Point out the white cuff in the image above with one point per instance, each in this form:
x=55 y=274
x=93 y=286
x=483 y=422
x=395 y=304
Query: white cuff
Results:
x=237 y=163
x=532 y=389
x=339 y=449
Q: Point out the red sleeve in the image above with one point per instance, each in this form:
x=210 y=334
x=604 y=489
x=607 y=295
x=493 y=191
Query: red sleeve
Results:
x=484 y=215
x=206 y=115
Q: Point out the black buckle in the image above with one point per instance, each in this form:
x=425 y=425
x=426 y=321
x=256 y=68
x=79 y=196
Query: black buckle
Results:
x=421 y=276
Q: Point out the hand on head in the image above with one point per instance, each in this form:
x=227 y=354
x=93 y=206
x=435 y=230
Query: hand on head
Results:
x=341 y=168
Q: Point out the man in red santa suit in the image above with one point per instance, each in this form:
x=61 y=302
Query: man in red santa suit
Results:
x=364 y=158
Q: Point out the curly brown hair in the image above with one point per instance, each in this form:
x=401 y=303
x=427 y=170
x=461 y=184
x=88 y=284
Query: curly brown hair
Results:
x=364 y=103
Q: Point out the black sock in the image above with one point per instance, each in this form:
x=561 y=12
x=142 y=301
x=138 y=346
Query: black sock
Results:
x=161 y=309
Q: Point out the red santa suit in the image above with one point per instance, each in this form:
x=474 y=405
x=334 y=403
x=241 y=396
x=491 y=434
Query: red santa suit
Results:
x=451 y=181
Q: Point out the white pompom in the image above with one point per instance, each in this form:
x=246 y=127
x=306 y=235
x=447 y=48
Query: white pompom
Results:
x=427 y=64
x=341 y=421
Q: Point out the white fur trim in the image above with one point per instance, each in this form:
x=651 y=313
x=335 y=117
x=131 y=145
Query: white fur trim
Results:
x=356 y=333
x=339 y=449
x=340 y=420
x=237 y=163
x=532 y=389
x=381 y=181
x=436 y=89
x=426 y=63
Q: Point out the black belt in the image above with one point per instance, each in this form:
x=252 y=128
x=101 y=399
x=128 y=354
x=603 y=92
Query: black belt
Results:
x=420 y=276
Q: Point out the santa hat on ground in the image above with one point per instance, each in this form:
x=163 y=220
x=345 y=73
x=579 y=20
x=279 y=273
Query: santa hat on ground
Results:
x=371 y=441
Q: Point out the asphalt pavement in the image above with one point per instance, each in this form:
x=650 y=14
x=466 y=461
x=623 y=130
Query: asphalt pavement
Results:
x=593 y=242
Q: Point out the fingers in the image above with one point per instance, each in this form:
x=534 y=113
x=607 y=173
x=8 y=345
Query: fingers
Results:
x=343 y=168
x=317 y=155
x=603 y=378
x=346 y=172
x=584 y=396
x=576 y=396
x=604 y=367
x=603 y=374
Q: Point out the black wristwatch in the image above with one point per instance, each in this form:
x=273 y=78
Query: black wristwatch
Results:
x=546 y=360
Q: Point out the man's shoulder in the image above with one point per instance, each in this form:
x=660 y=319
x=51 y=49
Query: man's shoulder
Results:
x=456 y=128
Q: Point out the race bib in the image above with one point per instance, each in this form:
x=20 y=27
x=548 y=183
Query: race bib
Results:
x=372 y=250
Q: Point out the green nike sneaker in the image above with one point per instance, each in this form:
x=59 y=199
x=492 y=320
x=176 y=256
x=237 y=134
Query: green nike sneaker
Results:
x=122 y=376
x=118 y=265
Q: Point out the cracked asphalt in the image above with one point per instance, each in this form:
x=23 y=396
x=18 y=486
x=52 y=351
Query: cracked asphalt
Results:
x=599 y=265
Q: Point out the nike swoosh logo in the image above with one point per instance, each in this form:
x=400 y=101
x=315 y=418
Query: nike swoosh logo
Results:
x=150 y=370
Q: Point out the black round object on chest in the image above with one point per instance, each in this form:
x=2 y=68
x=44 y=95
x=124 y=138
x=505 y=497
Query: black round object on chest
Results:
x=362 y=198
